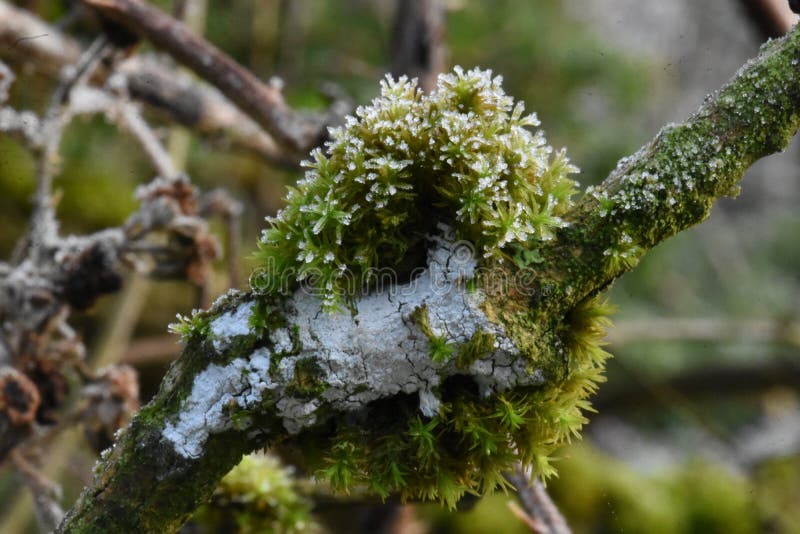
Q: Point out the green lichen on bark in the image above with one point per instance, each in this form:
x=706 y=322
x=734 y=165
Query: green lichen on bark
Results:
x=672 y=183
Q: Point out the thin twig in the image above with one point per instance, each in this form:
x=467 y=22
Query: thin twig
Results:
x=261 y=101
x=44 y=228
x=136 y=125
x=188 y=102
x=541 y=512
x=46 y=493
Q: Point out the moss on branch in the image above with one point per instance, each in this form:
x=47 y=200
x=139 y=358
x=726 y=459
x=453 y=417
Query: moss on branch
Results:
x=455 y=419
x=672 y=183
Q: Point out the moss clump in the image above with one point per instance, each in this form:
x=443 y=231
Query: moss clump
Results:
x=462 y=155
x=258 y=495
x=194 y=327
x=479 y=345
x=307 y=381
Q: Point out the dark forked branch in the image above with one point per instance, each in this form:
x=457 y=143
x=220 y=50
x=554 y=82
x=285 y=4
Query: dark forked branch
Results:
x=263 y=102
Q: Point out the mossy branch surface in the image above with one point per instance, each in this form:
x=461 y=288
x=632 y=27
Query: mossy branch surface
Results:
x=671 y=183
x=513 y=368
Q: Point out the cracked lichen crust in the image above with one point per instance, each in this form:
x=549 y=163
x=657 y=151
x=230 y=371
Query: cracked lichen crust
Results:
x=462 y=155
x=364 y=397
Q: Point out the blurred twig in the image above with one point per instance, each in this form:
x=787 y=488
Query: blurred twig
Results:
x=161 y=88
x=708 y=381
x=46 y=494
x=418 y=44
x=263 y=102
x=536 y=509
x=704 y=329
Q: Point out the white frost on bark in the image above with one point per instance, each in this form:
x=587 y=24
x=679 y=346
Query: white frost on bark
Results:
x=378 y=352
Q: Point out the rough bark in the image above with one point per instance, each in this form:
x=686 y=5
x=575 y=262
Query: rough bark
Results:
x=217 y=402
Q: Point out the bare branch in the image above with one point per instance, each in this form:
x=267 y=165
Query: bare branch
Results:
x=540 y=512
x=198 y=107
x=24 y=37
x=184 y=100
x=263 y=102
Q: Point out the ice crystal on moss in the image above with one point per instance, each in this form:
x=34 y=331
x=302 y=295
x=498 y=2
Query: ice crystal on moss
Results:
x=463 y=156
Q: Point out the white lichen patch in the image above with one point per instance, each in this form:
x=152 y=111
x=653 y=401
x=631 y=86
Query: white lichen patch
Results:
x=240 y=383
x=377 y=352
x=230 y=324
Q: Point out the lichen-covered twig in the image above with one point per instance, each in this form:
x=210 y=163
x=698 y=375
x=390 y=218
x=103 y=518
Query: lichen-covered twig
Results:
x=671 y=183
x=52 y=275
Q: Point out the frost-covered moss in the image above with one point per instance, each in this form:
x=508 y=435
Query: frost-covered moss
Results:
x=463 y=156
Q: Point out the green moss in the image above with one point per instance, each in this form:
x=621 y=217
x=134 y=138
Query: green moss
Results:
x=462 y=155
x=307 y=381
x=440 y=350
x=195 y=327
x=479 y=345
x=474 y=439
x=267 y=316
x=258 y=495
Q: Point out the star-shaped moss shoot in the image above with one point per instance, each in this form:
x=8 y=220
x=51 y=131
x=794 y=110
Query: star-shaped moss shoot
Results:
x=464 y=155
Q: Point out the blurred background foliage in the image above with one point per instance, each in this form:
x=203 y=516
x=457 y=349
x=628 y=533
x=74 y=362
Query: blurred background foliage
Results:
x=666 y=453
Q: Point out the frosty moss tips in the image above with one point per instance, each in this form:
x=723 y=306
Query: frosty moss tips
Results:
x=461 y=156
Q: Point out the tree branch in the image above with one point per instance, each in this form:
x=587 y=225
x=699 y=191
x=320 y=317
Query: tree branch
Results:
x=252 y=372
x=671 y=183
x=24 y=38
x=263 y=102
